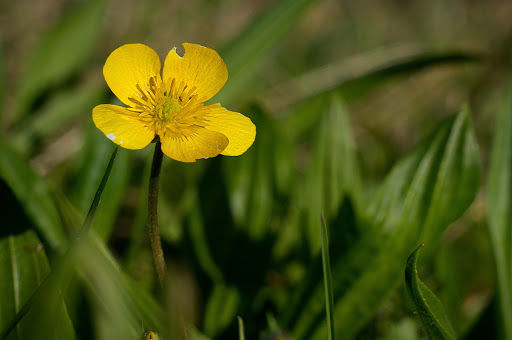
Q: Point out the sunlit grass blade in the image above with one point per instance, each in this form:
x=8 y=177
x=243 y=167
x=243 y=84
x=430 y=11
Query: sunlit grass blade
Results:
x=326 y=264
x=499 y=216
x=241 y=332
x=429 y=309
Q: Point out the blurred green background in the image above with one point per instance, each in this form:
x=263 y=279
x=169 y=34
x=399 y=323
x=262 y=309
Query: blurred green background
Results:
x=340 y=91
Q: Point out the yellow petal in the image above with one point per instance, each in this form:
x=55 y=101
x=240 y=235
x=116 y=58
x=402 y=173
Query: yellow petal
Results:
x=122 y=127
x=200 y=67
x=239 y=129
x=128 y=66
x=202 y=143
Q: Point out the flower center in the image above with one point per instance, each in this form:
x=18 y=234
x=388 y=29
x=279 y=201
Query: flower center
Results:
x=170 y=108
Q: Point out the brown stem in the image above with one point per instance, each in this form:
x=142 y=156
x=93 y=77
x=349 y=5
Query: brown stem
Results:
x=154 y=232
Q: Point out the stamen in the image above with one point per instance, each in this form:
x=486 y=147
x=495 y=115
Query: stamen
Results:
x=169 y=105
x=181 y=88
x=146 y=95
x=172 y=86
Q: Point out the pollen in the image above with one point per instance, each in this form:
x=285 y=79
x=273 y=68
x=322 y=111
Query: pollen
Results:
x=170 y=108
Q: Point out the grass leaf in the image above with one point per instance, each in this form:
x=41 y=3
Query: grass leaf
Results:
x=326 y=262
x=430 y=310
x=412 y=205
x=24 y=267
x=241 y=333
x=499 y=216
x=333 y=170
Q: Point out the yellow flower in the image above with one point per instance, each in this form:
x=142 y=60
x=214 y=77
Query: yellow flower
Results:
x=171 y=106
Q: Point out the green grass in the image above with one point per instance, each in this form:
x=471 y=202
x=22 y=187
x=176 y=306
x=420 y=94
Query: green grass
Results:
x=375 y=116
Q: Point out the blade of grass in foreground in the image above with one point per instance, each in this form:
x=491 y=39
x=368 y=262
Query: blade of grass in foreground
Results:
x=63 y=265
x=241 y=333
x=430 y=310
x=499 y=215
x=23 y=266
x=329 y=300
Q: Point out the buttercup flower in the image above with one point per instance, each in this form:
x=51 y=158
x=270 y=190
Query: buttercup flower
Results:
x=171 y=105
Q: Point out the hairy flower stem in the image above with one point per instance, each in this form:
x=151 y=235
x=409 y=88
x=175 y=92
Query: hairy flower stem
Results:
x=154 y=232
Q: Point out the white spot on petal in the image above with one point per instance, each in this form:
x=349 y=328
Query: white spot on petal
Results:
x=111 y=136
x=121 y=142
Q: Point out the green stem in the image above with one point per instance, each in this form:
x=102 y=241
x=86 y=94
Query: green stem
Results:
x=154 y=232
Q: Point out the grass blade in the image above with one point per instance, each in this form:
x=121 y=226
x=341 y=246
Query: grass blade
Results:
x=430 y=310
x=332 y=172
x=329 y=299
x=499 y=197
x=241 y=333
x=23 y=266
